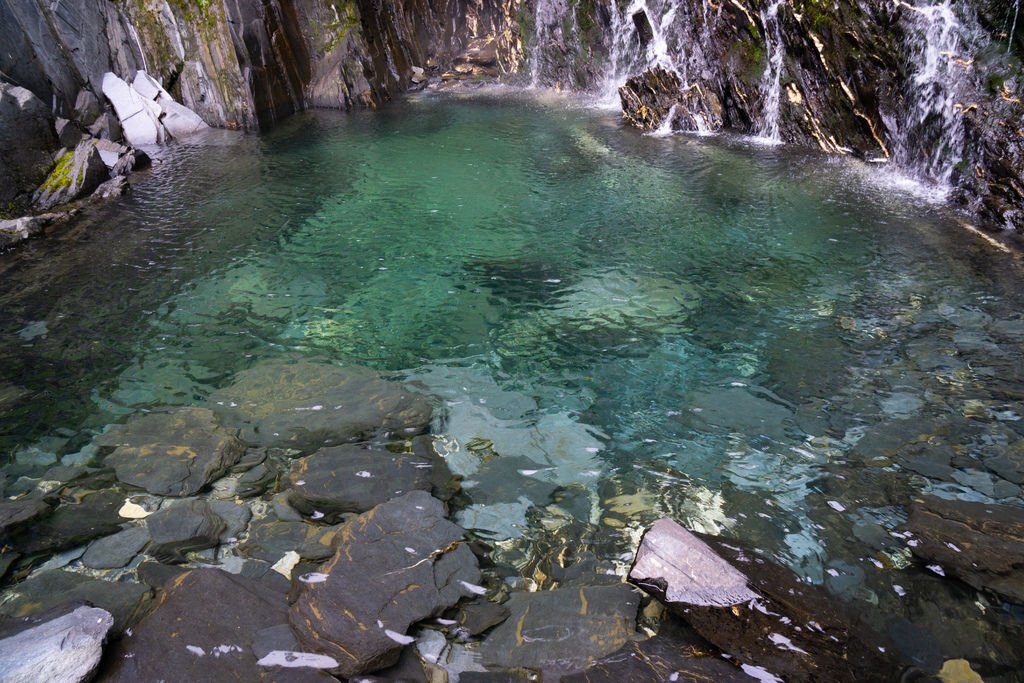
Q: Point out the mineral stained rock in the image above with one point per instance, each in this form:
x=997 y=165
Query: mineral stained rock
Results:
x=980 y=544
x=397 y=564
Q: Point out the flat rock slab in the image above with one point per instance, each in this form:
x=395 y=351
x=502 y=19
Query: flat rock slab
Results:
x=72 y=524
x=397 y=564
x=564 y=630
x=307 y=406
x=52 y=590
x=982 y=545
x=354 y=479
x=763 y=616
x=117 y=550
x=205 y=627
x=176 y=452
x=269 y=539
x=65 y=649
x=661 y=659
x=14 y=513
x=182 y=528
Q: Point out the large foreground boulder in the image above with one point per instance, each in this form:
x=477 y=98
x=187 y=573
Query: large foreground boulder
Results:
x=763 y=616
x=980 y=544
x=65 y=649
x=397 y=564
x=26 y=143
x=76 y=175
x=175 y=452
x=209 y=626
x=307 y=405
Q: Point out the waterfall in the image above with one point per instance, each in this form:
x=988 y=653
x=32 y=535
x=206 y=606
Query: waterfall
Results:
x=555 y=36
x=768 y=127
x=1013 y=26
x=931 y=139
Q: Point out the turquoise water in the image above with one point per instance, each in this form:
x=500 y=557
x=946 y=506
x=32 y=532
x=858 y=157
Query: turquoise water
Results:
x=732 y=335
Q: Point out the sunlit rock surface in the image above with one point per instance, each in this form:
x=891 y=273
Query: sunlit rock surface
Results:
x=67 y=648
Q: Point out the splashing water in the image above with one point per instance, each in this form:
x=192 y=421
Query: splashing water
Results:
x=768 y=128
x=931 y=141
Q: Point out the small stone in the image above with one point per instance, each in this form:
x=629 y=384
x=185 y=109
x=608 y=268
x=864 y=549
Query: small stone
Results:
x=958 y=671
x=117 y=550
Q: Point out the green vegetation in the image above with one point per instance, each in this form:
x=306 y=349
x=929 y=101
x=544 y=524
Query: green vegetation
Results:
x=60 y=177
x=334 y=32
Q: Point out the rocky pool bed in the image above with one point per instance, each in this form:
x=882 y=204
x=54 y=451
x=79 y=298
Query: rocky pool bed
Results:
x=510 y=392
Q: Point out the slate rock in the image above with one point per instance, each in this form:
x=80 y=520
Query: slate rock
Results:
x=76 y=175
x=72 y=524
x=204 y=628
x=115 y=187
x=178 y=120
x=19 y=229
x=117 y=550
x=175 y=452
x=87 y=107
x=477 y=616
x=139 y=117
x=982 y=545
x=27 y=141
x=307 y=406
x=130 y=161
x=236 y=518
x=564 y=630
x=68 y=132
x=179 y=529
x=53 y=590
x=354 y=479
x=65 y=649
x=16 y=513
x=397 y=564
x=270 y=538
x=668 y=656
x=762 y=615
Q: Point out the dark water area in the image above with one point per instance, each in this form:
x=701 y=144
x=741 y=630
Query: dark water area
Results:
x=757 y=341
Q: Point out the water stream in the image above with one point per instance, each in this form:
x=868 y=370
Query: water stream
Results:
x=768 y=126
x=747 y=339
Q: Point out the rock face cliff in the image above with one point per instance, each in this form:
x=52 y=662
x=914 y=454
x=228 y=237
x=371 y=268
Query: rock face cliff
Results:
x=243 y=63
x=932 y=87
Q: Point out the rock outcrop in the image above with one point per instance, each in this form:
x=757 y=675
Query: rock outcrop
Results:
x=76 y=175
x=26 y=143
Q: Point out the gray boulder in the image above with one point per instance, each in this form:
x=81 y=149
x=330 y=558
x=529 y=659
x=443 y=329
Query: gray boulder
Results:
x=176 y=452
x=27 y=141
x=397 y=564
x=68 y=132
x=117 y=550
x=77 y=174
x=66 y=649
x=139 y=117
x=182 y=528
x=177 y=119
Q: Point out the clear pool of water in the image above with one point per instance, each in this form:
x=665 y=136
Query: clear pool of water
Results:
x=753 y=340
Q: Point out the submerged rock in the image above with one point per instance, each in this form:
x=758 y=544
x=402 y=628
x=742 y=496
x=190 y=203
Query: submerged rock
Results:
x=172 y=453
x=65 y=649
x=982 y=545
x=77 y=174
x=564 y=630
x=764 y=616
x=397 y=564
x=182 y=528
x=15 y=513
x=72 y=524
x=206 y=627
x=308 y=405
x=355 y=479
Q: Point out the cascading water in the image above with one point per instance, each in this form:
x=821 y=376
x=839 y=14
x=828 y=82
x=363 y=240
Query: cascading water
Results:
x=768 y=127
x=555 y=35
x=931 y=139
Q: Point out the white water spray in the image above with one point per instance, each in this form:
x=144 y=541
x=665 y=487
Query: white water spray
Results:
x=554 y=30
x=768 y=127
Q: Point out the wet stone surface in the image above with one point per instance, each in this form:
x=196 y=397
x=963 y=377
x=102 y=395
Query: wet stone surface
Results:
x=65 y=649
x=307 y=406
x=564 y=630
x=172 y=453
x=397 y=564
x=982 y=545
x=182 y=528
